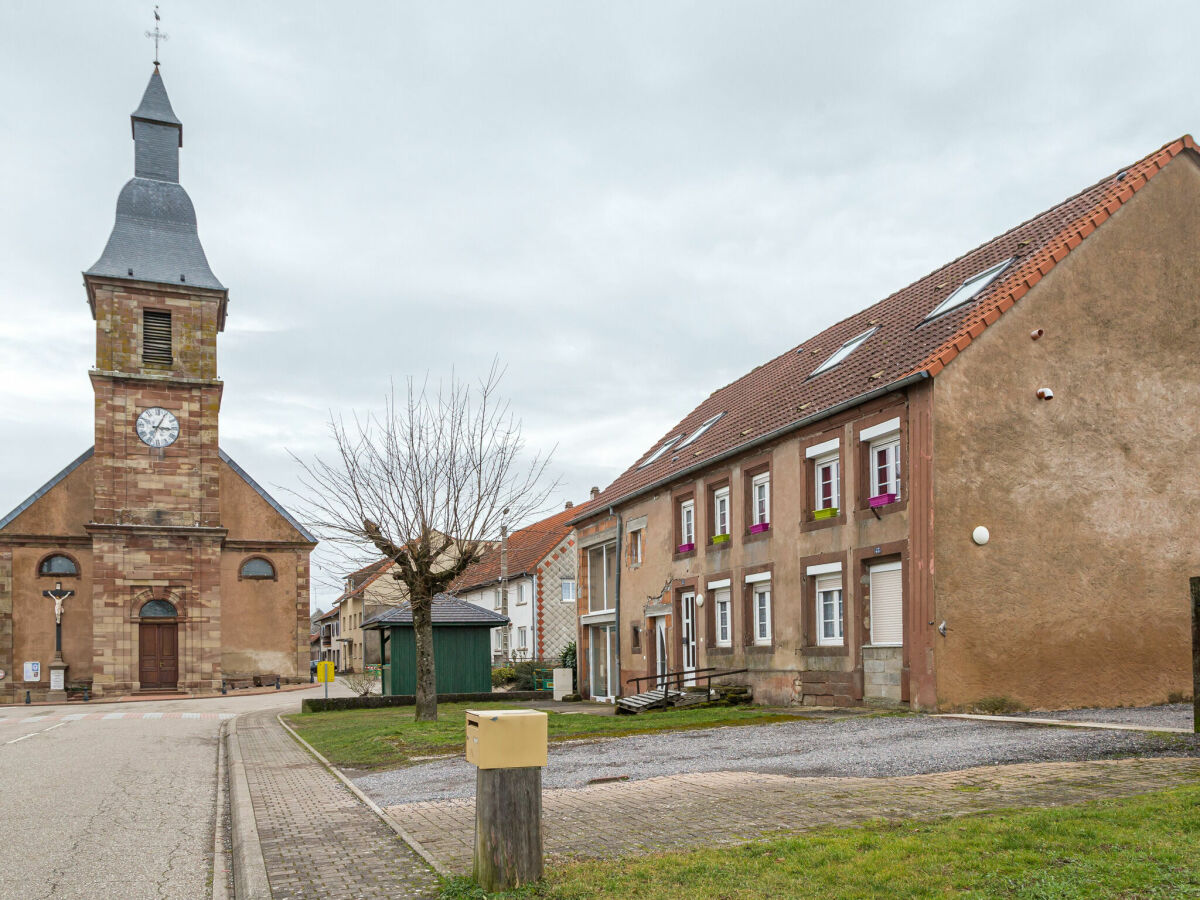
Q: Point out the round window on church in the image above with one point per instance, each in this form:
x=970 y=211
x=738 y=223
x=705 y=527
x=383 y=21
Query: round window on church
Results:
x=58 y=565
x=158 y=609
x=257 y=567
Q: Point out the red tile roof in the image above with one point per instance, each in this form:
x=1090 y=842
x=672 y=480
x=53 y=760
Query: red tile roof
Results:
x=526 y=548
x=783 y=394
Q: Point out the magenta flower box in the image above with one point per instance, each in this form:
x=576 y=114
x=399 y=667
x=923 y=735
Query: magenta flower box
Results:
x=685 y=548
x=882 y=500
x=760 y=527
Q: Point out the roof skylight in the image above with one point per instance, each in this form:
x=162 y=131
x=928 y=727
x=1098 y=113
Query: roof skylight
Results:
x=845 y=350
x=703 y=428
x=969 y=289
x=660 y=451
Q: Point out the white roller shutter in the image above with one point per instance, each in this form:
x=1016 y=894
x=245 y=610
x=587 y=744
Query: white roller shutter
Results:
x=887 y=604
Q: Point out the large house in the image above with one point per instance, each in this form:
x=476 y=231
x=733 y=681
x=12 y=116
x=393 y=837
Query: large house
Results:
x=153 y=562
x=978 y=487
x=534 y=587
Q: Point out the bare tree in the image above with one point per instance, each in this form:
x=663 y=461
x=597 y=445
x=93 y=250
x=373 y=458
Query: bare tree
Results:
x=426 y=482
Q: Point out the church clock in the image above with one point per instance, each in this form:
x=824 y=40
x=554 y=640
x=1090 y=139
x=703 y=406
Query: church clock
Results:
x=157 y=427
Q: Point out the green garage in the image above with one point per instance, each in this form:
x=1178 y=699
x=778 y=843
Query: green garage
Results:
x=462 y=646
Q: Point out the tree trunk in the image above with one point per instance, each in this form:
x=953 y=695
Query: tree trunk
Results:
x=426 y=698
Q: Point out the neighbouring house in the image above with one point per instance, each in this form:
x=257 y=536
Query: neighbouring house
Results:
x=534 y=588
x=355 y=606
x=978 y=487
x=329 y=630
x=167 y=566
x=462 y=660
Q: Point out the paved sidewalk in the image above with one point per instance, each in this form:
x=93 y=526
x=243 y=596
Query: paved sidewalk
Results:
x=318 y=839
x=678 y=811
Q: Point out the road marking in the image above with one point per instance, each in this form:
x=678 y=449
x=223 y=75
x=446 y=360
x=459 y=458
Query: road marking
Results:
x=36 y=733
x=75 y=717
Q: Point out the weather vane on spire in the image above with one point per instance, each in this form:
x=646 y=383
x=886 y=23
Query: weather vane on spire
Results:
x=156 y=33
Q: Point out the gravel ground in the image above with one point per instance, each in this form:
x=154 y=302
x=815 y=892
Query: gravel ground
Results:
x=1173 y=715
x=875 y=746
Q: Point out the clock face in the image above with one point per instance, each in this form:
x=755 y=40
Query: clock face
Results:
x=157 y=427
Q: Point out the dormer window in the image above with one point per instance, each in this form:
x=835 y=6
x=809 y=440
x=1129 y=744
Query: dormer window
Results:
x=969 y=289
x=843 y=351
x=660 y=451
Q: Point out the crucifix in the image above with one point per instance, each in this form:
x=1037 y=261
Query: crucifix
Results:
x=59 y=596
x=156 y=33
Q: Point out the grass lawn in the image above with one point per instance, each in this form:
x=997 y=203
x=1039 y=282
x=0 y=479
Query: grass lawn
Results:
x=386 y=738
x=1147 y=846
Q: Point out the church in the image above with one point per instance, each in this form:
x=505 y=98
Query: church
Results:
x=152 y=563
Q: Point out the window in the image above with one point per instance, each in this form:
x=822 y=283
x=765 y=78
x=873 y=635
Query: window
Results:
x=829 y=609
x=257 y=567
x=762 y=612
x=602 y=575
x=522 y=638
x=568 y=590
x=687 y=525
x=885 y=467
x=843 y=351
x=58 y=565
x=724 y=625
x=635 y=638
x=721 y=511
x=521 y=592
x=496 y=639
x=157 y=609
x=699 y=431
x=660 y=451
x=827 y=482
x=887 y=604
x=156 y=337
x=496 y=599
x=760 y=499
x=969 y=289
x=635 y=548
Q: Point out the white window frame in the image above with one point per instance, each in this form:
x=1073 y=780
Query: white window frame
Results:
x=496 y=595
x=567 y=586
x=687 y=522
x=606 y=575
x=827 y=585
x=521 y=599
x=843 y=351
x=722 y=605
x=891 y=445
x=829 y=460
x=721 y=507
x=761 y=480
x=969 y=289
x=522 y=637
x=760 y=598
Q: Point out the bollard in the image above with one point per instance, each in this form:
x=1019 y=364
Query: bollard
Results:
x=27 y=698
x=223 y=690
x=508 y=749
x=87 y=694
x=276 y=682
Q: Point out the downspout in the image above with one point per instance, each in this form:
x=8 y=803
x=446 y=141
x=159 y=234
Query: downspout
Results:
x=617 y=612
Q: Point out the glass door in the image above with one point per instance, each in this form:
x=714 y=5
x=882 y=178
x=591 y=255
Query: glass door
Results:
x=660 y=649
x=688 y=637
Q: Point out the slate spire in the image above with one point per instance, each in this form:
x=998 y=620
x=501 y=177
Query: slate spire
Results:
x=154 y=237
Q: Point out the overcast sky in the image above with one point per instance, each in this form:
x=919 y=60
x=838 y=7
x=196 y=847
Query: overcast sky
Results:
x=632 y=204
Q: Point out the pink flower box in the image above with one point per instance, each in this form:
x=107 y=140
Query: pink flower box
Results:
x=760 y=527
x=685 y=548
x=882 y=500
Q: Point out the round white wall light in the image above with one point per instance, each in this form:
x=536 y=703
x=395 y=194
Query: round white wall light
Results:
x=699 y=600
x=981 y=535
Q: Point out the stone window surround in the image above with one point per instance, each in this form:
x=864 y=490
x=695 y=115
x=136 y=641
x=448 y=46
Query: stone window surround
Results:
x=710 y=610
x=864 y=558
x=749 y=621
x=862 y=506
x=678 y=498
x=808 y=478
x=711 y=486
x=751 y=468
x=809 y=623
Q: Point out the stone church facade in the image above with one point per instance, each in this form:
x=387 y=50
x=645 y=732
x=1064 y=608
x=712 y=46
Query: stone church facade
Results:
x=168 y=567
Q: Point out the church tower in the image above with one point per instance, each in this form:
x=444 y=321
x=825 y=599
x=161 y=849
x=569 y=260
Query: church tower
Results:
x=158 y=310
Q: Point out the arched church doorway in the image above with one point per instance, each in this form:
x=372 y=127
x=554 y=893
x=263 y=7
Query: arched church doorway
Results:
x=158 y=643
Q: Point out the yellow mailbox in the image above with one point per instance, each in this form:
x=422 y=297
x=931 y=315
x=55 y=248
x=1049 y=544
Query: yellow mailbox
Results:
x=506 y=738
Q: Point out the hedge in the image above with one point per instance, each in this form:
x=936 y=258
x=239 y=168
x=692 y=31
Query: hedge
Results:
x=376 y=702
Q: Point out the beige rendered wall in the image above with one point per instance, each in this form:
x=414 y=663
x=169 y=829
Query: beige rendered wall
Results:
x=1081 y=596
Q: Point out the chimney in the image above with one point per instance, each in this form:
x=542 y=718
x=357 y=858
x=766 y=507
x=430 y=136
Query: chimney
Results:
x=568 y=505
x=595 y=492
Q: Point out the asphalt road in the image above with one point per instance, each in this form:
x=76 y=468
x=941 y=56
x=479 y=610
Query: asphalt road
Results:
x=861 y=747
x=121 y=806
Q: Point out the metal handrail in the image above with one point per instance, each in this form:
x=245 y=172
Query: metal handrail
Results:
x=667 y=679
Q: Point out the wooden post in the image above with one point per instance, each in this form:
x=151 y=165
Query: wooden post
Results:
x=508 y=827
x=1196 y=654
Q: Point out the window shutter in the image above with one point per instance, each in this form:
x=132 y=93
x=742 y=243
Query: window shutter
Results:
x=887 y=606
x=156 y=337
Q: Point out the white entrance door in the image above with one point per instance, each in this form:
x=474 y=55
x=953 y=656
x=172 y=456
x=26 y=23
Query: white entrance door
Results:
x=660 y=649
x=887 y=605
x=688 y=636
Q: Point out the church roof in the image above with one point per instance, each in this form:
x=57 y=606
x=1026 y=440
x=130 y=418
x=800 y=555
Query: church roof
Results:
x=154 y=237
x=225 y=458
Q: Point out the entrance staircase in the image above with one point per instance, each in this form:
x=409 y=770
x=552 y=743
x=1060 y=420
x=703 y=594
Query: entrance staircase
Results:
x=676 y=689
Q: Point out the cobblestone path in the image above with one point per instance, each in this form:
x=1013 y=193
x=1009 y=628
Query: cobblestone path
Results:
x=678 y=811
x=318 y=839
